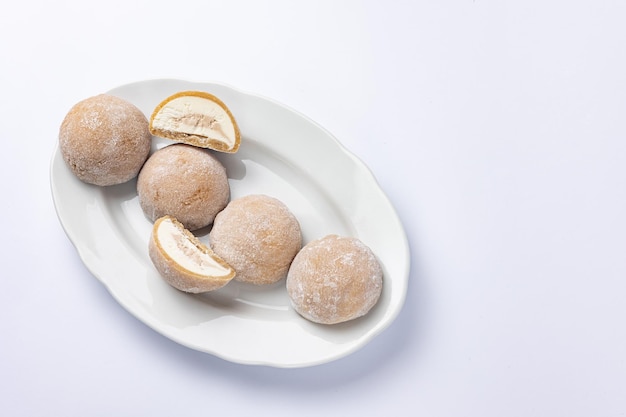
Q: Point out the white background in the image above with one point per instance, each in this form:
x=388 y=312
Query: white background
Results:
x=497 y=129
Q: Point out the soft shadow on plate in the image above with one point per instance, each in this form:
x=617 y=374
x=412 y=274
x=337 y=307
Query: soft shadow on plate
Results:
x=398 y=344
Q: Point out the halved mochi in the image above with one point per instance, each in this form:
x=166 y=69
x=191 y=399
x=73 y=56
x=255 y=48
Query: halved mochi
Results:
x=183 y=261
x=196 y=118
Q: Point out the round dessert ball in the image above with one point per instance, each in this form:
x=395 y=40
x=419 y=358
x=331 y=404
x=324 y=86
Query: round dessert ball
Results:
x=334 y=279
x=105 y=140
x=184 y=182
x=258 y=236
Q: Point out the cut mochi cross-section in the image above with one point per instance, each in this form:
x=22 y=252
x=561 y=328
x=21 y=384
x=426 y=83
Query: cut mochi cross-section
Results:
x=196 y=118
x=183 y=261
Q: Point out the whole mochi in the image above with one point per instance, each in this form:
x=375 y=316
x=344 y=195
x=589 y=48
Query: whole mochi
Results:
x=105 y=140
x=258 y=236
x=334 y=279
x=185 y=182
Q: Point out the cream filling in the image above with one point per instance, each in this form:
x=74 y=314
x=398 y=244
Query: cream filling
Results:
x=185 y=253
x=196 y=116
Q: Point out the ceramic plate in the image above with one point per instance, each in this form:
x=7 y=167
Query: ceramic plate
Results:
x=283 y=154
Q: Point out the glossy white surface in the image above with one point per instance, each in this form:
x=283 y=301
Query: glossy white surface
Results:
x=495 y=128
x=283 y=155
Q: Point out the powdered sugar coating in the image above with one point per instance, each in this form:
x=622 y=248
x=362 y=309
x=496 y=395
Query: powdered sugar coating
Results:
x=184 y=182
x=104 y=140
x=334 y=279
x=258 y=236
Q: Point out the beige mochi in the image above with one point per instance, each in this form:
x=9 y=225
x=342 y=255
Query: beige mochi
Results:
x=258 y=236
x=185 y=182
x=334 y=279
x=105 y=140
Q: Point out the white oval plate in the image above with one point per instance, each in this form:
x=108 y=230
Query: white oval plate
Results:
x=282 y=154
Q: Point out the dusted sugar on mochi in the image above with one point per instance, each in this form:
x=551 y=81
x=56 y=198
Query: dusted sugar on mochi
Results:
x=184 y=182
x=196 y=118
x=334 y=279
x=183 y=261
x=105 y=140
x=258 y=236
